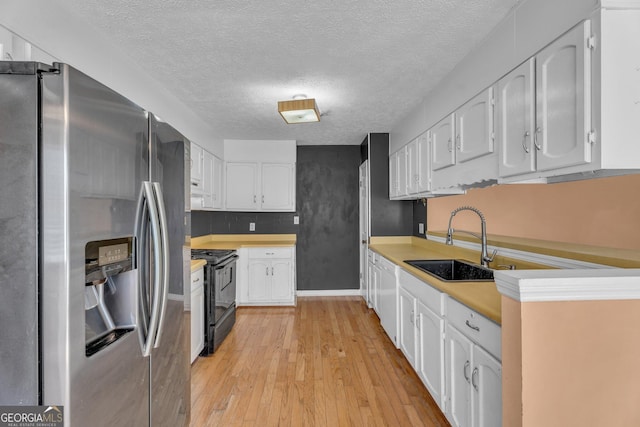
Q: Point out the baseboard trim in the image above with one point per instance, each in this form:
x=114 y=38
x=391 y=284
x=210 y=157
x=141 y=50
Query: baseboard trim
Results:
x=330 y=293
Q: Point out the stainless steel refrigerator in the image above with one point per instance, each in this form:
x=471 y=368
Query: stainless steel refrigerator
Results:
x=94 y=252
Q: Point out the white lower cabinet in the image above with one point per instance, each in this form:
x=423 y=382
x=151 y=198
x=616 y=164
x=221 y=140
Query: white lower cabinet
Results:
x=421 y=331
x=473 y=369
x=270 y=277
x=387 y=298
x=374 y=280
x=197 y=313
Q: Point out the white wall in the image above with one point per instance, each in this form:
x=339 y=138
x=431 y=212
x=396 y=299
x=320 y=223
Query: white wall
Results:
x=56 y=33
x=530 y=26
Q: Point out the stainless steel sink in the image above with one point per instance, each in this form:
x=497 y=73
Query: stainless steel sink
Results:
x=453 y=270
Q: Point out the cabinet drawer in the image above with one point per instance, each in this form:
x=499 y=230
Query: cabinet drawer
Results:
x=425 y=293
x=478 y=328
x=264 y=252
x=386 y=264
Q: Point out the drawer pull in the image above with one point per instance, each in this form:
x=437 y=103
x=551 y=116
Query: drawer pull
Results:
x=197 y=279
x=475 y=328
x=464 y=370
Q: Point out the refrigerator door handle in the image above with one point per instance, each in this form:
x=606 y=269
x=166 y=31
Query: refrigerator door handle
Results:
x=157 y=266
x=142 y=236
x=164 y=232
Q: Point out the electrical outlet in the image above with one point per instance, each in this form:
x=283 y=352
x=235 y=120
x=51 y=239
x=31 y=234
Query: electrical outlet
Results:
x=252 y=226
x=296 y=220
x=420 y=228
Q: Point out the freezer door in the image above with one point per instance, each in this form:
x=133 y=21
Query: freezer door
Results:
x=170 y=366
x=19 y=343
x=94 y=152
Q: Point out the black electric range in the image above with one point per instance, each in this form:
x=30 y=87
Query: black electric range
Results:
x=219 y=295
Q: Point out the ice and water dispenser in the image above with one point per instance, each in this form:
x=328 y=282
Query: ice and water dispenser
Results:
x=110 y=292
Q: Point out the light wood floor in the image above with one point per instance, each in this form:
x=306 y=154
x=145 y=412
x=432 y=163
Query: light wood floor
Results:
x=326 y=362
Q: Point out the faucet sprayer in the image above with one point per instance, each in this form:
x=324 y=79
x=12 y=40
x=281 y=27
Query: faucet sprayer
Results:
x=485 y=259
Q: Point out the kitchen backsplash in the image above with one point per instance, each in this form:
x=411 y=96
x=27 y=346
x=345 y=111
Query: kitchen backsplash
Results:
x=203 y=223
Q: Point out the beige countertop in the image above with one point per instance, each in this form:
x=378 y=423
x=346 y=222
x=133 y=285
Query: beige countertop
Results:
x=237 y=241
x=480 y=296
x=197 y=263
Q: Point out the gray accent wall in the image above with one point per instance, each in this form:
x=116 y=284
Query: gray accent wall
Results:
x=203 y=223
x=327 y=200
x=419 y=216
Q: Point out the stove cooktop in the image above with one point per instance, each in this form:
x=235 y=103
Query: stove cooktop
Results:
x=213 y=256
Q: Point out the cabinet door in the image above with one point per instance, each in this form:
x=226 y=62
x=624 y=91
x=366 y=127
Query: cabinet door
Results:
x=217 y=182
x=430 y=352
x=516 y=120
x=196 y=168
x=207 y=180
x=442 y=144
x=458 y=372
x=376 y=289
x=412 y=167
x=563 y=101
x=423 y=167
x=393 y=175
x=241 y=186
x=197 y=313
x=402 y=171
x=259 y=281
x=474 y=127
x=387 y=303
x=281 y=280
x=407 y=339
x=278 y=187
x=486 y=379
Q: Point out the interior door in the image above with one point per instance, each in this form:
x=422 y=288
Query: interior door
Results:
x=364 y=230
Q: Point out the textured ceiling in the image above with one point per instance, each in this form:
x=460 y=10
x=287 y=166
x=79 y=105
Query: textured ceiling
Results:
x=367 y=63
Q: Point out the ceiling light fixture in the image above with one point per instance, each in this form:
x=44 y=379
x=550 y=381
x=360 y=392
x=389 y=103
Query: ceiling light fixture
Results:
x=299 y=110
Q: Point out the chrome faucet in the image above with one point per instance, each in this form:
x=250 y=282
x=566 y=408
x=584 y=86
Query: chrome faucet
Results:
x=485 y=259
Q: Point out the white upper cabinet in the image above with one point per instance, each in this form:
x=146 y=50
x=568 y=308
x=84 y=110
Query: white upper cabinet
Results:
x=196 y=168
x=413 y=167
x=442 y=143
x=516 y=120
x=544 y=108
x=562 y=136
x=278 y=187
x=242 y=186
x=206 y=179
x=474 y=126
x=394 y=176
x=423 y=166
x=260 y=176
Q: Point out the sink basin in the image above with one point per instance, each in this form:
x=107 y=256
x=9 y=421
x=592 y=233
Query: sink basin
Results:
x=453 y=270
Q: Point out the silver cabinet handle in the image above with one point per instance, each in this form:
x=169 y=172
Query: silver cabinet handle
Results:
x=458 y=145
x=524 y=142
x=272 y=271
x=474 y=375
x=535 y=138
x=411 y=318
x=263 y=198
x=267 y=271
x=449 y=145
x=474 y=327
x=197 y=279
x=464 y=370
x=254 y=198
